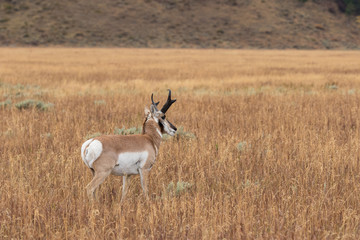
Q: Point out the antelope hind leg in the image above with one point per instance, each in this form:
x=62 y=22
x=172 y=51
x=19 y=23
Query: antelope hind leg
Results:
x=98 y=179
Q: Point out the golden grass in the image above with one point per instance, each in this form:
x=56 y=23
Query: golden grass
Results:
x=295 y=174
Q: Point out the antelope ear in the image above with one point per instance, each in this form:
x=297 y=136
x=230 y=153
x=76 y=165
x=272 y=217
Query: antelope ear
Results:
x=153 y=109
x=146 y=111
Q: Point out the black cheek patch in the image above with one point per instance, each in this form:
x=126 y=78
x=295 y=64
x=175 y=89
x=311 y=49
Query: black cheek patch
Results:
x=161 y=126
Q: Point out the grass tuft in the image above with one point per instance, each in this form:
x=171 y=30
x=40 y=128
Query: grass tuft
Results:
x=30 y=103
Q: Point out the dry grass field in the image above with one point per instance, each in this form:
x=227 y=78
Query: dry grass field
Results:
x=268 y=149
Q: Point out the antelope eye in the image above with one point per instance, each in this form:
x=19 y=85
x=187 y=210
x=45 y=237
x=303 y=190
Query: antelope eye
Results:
x=163 y=117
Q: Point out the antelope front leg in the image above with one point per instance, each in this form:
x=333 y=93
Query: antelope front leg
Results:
x=125 y=188
x=143 y=179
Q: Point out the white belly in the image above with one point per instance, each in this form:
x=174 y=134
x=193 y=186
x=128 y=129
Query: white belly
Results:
x=129 y=163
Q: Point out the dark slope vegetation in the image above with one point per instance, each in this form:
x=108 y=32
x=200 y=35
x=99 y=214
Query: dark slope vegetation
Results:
x=178 y=23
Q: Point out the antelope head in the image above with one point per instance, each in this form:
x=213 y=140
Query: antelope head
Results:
x=159 y=116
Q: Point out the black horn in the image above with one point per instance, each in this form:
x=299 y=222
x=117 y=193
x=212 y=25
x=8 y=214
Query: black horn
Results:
x=155 y=104
x=168 y=103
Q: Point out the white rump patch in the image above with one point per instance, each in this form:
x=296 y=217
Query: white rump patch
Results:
x=83 y=147
x=90 y=151
x=128 y=163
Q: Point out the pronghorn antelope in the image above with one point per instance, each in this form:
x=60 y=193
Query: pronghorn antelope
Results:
x=128 y=155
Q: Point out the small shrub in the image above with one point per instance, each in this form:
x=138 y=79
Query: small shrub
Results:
x=5 y=103
x=180 y=188
x=93 y=135
x=19 y=86
x=129 y=131
x=250 y=184
x=332 y=87
x=351 y=91
x=241 y=146
x=26 y=104
x=99 y=102
x=8 y=8
x=181 y=133
x=8 y=133
x=47 y=135
x=3 y=20
x=350 y=8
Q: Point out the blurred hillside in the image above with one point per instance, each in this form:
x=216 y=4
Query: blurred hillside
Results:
x=315 y=24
